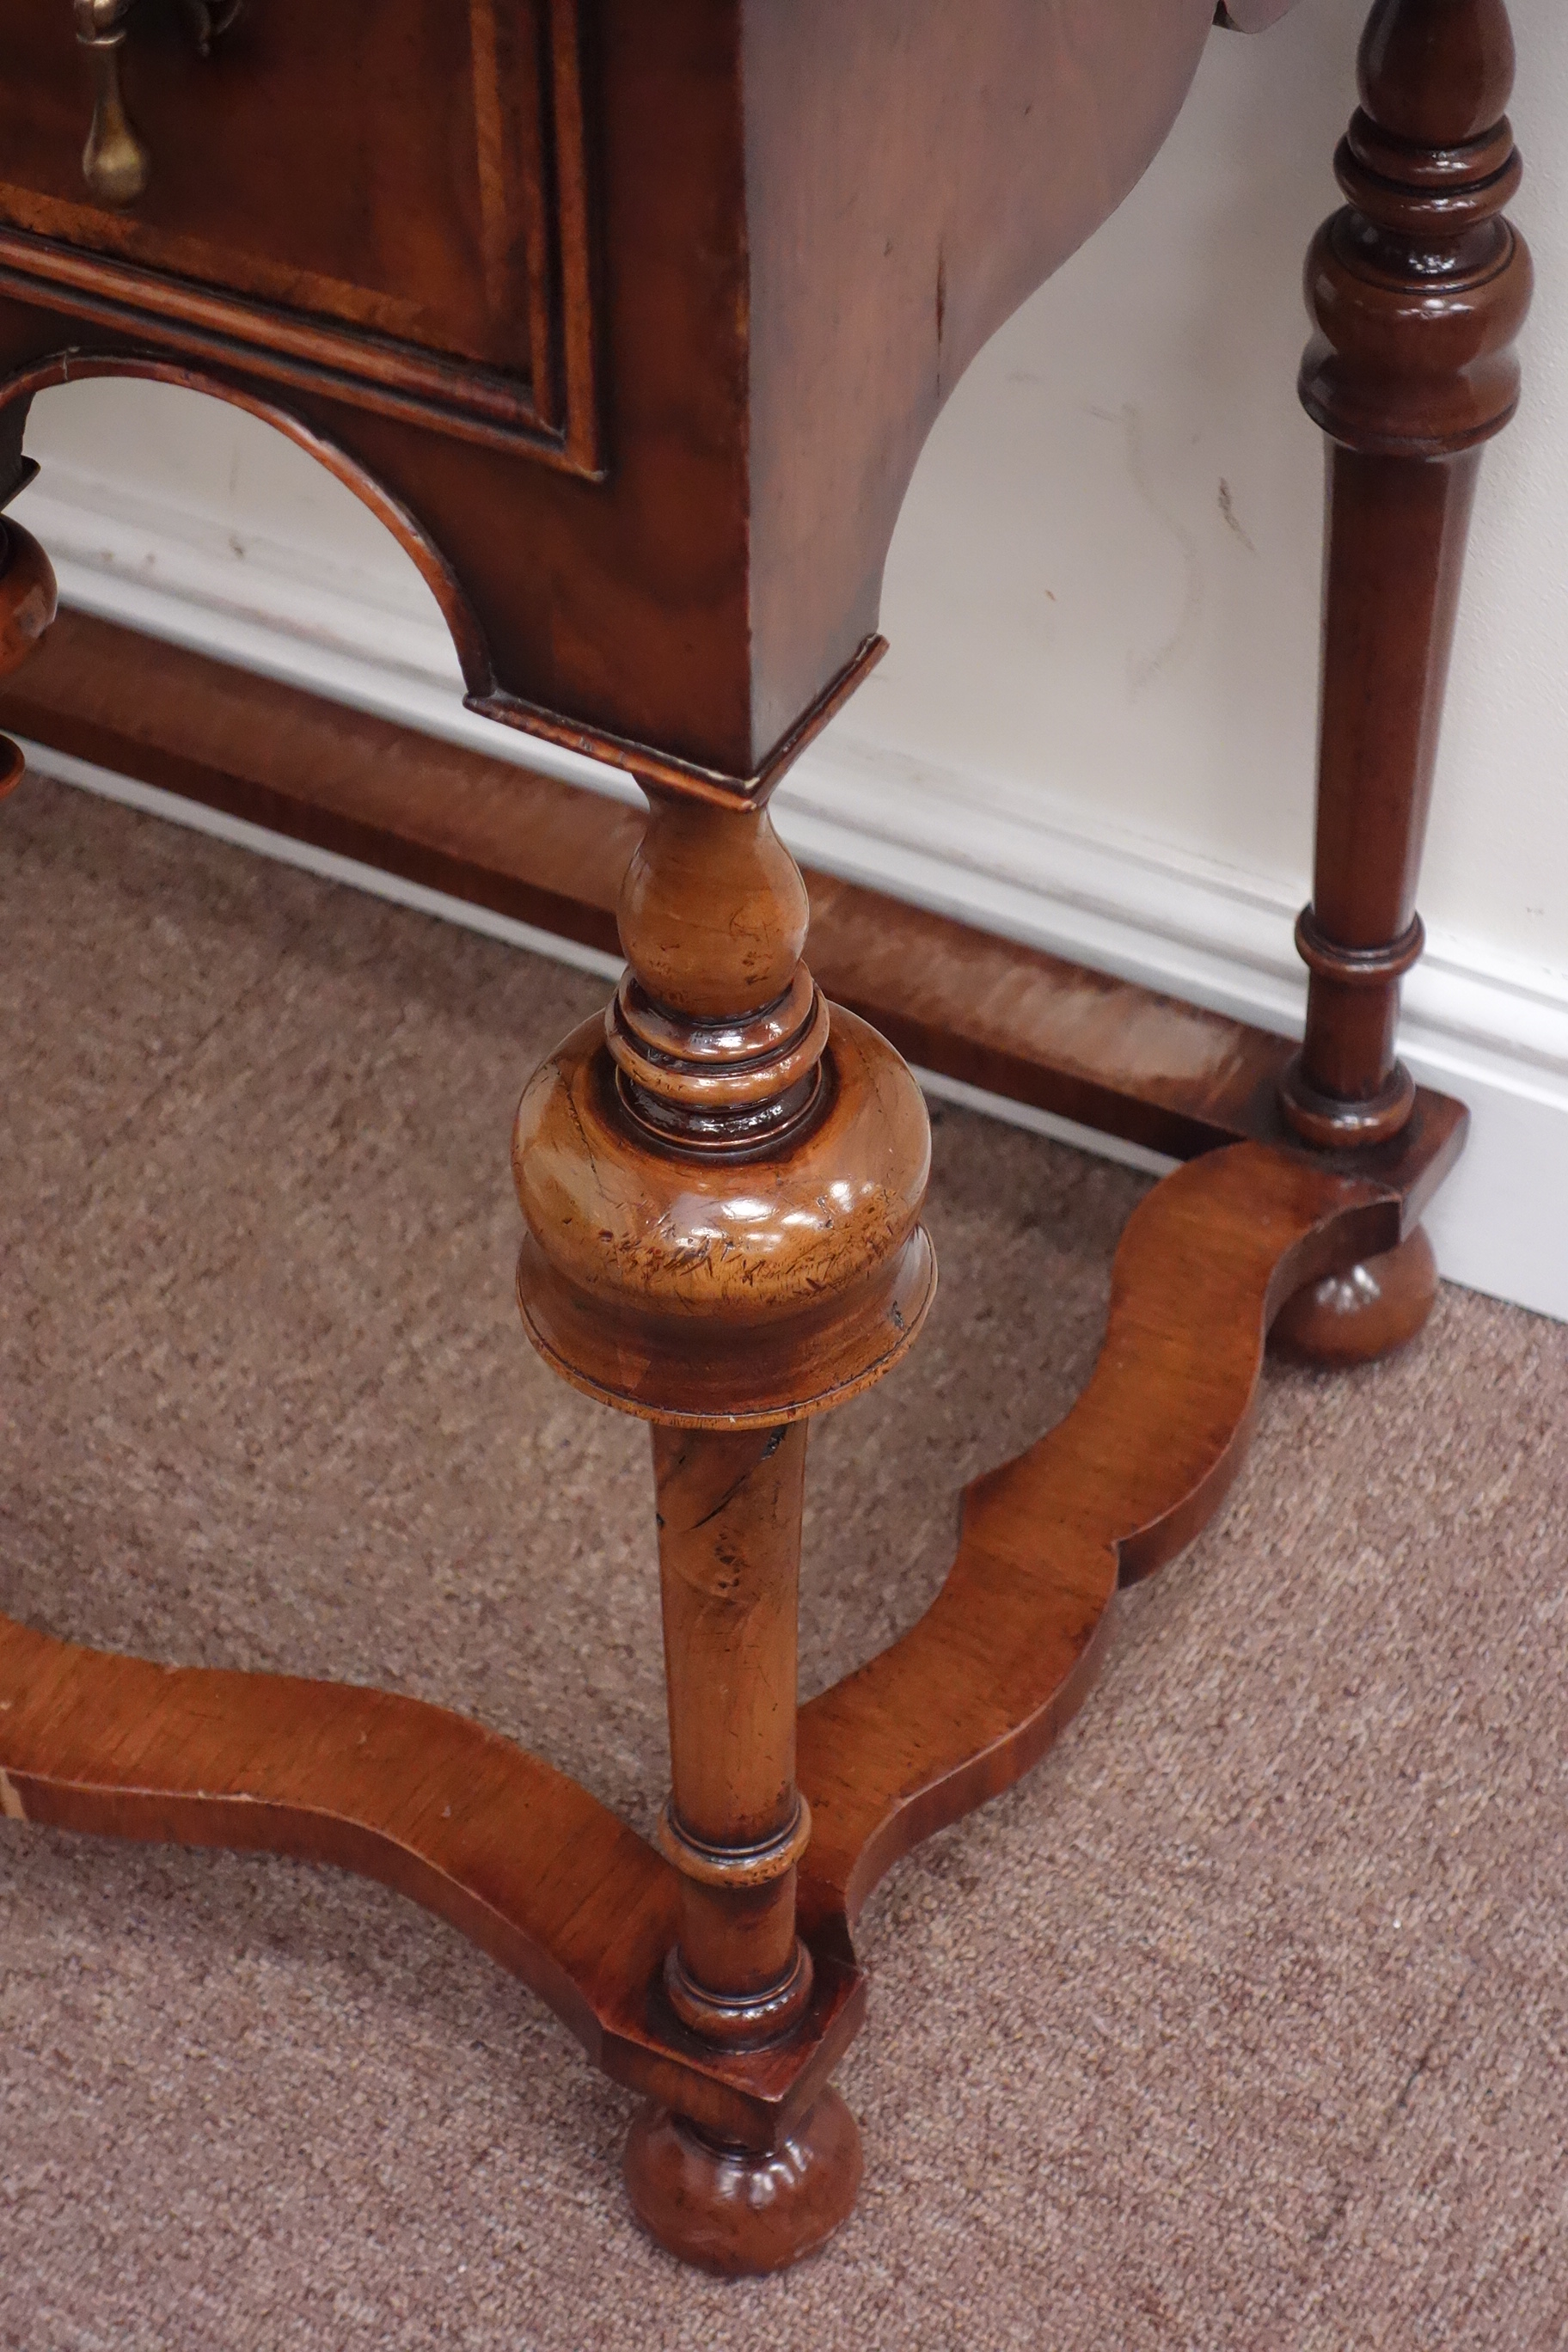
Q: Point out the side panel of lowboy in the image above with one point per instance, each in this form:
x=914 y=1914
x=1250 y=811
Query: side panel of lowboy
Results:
x=914 y=170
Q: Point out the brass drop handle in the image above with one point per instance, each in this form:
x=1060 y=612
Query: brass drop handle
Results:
x=114 y=164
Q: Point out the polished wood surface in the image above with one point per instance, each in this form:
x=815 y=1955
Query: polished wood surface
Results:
x=768 y=289
x=726 y=2211
x=729 y=1509
x=445 y=306
x=27 y=600
x=738 y=1976
x=974 y=1694
x=1418 y=287
x=720 y=1181
x=554 y=1886
x=27 y=595
x=1357 y=1314
x=703 y=277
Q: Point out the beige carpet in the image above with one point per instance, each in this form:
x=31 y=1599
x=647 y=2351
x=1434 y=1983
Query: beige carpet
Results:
x=1242 y=2024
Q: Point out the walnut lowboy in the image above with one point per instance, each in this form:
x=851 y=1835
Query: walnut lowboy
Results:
x=642 y=401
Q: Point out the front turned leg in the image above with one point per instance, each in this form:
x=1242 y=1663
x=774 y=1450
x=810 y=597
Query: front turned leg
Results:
x=735 y=1828
x=729 y=1552
x=1418 y=287
x=722 y=1184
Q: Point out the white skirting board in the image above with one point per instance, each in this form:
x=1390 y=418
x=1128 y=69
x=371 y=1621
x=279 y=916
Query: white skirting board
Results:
x=982 y=848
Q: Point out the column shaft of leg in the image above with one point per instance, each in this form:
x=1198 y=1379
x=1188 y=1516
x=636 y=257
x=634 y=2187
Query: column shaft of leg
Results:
x=1396 y=536
x=729 y=1541
x=1417 y=287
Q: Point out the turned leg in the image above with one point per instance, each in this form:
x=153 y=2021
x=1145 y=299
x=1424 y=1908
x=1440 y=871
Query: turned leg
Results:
x=735 y=1827
x=728 y=1548
x=721 y=1182
x=1418 y=287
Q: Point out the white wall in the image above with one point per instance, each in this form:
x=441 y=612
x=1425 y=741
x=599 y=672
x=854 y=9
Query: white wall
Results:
x=1071 y=603
x=1095 y=727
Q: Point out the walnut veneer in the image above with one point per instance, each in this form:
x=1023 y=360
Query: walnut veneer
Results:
x=630 y=323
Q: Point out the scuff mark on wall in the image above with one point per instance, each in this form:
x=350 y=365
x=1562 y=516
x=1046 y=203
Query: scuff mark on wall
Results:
x=1143 y=669
x=1232 y=519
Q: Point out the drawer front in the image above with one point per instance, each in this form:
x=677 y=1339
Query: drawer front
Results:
x=389 y=198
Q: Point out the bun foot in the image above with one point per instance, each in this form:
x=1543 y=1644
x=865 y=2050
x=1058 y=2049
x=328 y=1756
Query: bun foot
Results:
x=1366 y=1312
x=733 y=2211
